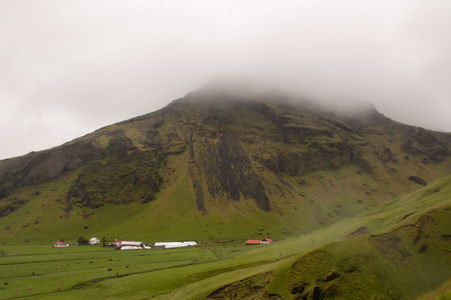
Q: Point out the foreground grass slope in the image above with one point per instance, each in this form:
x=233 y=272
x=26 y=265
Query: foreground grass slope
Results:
x=400 y=250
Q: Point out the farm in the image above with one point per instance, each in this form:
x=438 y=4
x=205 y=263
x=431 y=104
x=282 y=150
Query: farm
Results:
x=44 y=272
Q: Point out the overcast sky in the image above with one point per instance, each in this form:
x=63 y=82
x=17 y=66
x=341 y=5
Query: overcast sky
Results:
x=68 y=68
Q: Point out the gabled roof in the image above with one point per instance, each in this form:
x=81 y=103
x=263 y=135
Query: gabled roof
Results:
x=268 y=240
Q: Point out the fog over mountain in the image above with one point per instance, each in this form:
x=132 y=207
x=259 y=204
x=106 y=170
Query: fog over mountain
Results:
x=70 y=67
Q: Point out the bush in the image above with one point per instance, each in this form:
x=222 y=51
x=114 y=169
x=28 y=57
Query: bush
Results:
x=82 y=241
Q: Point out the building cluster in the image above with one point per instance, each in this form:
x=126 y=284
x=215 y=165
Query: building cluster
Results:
x=134 y=245
x=92 y=241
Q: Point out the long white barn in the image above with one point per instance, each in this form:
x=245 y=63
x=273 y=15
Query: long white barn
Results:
x=175 y=244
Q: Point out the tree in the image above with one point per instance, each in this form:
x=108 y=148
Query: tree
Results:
x=82 y=241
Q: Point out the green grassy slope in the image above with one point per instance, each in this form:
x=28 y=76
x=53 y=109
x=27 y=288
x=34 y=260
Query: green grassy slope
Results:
x=402 y=257
x=400 y=250
x=441 y=293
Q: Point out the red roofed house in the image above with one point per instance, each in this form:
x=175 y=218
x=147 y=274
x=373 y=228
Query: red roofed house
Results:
x=59 y=244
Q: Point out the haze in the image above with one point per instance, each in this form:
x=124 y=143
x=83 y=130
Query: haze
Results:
x=68 y=68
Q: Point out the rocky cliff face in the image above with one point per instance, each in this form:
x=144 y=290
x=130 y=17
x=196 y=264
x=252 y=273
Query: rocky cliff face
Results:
x=44 y=166
x=224 y=169
x=123 y=178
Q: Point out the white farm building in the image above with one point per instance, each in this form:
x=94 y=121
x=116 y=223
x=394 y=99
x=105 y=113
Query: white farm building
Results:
x=94 y=241
x=130 y=245
x=174 y=244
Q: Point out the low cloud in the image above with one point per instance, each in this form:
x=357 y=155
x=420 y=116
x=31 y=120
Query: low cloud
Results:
x=70 y=67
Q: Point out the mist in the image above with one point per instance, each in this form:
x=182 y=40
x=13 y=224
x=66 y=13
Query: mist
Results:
x=68 y=68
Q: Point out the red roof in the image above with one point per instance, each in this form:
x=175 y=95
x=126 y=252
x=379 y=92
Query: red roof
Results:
x=61 y=243
x=253 y=242
x=268 y=240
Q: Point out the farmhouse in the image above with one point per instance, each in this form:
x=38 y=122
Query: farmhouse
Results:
x=94 y=241
x=59 y=244
x=265 y=241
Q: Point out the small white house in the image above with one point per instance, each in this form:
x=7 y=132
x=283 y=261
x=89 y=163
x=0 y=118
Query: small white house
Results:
x=94 y=241
x=59 y=244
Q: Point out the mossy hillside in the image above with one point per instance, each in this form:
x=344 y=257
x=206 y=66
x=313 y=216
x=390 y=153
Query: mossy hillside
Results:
x=131 y=179
x=45 y=206
x=221 y=225
x=174 y=215
x=441 y=293
x=361 y=267
x=384 y=266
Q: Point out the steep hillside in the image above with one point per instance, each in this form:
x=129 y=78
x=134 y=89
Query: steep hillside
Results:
x=218 y=165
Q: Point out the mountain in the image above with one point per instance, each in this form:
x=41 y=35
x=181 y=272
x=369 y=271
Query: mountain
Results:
x=222 y=165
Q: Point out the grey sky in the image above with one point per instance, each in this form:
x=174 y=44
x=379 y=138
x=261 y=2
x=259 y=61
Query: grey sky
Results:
x=70 y=67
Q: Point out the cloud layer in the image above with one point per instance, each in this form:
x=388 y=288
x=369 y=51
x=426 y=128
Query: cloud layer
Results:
x=70 y=67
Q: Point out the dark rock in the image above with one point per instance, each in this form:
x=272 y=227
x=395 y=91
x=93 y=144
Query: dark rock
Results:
x=418 y=180
x=331 y=276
